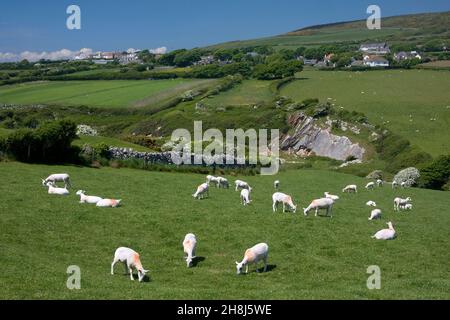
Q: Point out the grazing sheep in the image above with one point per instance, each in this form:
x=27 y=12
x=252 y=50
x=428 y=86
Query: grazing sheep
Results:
x=57 y=177
x=108 y=203
x=212 y=179
x=87 y=199
x=385 y=234
x=371 y=203
x=375 y=214
x=400 y=202
x=223 y=182
x=285 y=199
x=331 y=196
x=380 y=183
x=245 y=196
x=189 y=246
x=241 y=184
x=403 y=184
x=131 y=260
x=52 y=189
x=394 y=184
x=254 y=255
x=370 y=185
x=350 y=188
x=202 y=190
x=276 y=184
x=322 y=203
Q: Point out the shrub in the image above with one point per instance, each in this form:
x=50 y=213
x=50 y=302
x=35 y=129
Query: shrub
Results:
x=436 y=175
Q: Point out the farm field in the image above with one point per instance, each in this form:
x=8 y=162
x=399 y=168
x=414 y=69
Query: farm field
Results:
x=97 y=93
x=408 y=99
x=309 y=257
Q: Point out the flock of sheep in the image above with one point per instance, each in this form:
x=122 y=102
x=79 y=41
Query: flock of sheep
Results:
x=253 y=255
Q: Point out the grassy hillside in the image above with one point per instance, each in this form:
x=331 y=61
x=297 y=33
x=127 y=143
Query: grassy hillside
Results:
x=309 y=257
x=384 y=96
x=111 y=94
x=417 y=27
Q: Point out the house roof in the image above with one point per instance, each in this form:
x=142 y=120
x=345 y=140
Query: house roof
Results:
x=374 y=45
x=376 y=59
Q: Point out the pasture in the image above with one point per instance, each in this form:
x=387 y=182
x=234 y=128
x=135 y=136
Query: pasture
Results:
x=97 y=93
x=309 y=257
x=408 y=99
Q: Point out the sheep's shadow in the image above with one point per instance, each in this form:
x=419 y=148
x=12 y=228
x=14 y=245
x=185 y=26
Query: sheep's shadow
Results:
x=197 y=260
x=270 y=268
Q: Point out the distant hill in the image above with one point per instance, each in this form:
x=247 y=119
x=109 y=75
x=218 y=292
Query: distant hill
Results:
x=397 y=29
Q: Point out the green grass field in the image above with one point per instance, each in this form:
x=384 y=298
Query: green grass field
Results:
x=93 y=140
x=97 y=93
x=309 y=257
x=388 y=95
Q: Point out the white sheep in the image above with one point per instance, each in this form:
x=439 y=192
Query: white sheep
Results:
x=322 y=203
x=403 y=184
x=371 y=203
x=350 y=188
x=202 y=190
x=286 y=200
x=385 y=234
x=241 y=184
x=189 y=246
x=131 y=260
x=400 y=202
x=212 y=179
x=406 y=206
x=57 y=177
x=375 y=214
x=223 y=182
x=245 y=196
x=331 y=196
x=113 y=203
x=254 y=255
x=380 y=183
x=53 y=189
x=276 y=184
x=87 y=199
x=370 y=185
x=394 y=184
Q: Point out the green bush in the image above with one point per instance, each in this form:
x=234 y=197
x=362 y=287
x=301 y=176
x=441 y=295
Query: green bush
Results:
x=436 y=175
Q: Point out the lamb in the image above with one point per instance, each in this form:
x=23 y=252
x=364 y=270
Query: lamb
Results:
x=285 y=199
x=189 y=246
x=276 y=184
x=350 y=188
x=223 y=182
x=87 y=199
x=212 y=179
x=113 y=203
x=371 y=203
x=245 y=196
x=254 y=255
x=370 y=185
x=394 y=184
x=407 y=206
x=331 y=196
x=52 y=189
x=241 y=184
x=322 y=203
x=202 y=190
x=380 y=183
x=400 y=202
x=385 y=234
x=375 y=214
x=56 y=177
x=131 y=260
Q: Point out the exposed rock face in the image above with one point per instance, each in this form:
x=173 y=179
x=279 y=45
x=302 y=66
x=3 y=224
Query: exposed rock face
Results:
x=376 y=174
x=309 y=136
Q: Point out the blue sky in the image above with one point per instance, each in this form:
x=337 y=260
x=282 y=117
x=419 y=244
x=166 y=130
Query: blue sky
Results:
x=117 y=25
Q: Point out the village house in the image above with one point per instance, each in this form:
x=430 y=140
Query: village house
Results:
x=375 y=48
x=205 y=60
x=375 y=61
x=402 y=55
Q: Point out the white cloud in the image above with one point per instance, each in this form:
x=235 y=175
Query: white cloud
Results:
x=160 y=50
x=62 y=54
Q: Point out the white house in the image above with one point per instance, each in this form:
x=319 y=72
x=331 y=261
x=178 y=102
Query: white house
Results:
x=375 y=48
x=375 y=61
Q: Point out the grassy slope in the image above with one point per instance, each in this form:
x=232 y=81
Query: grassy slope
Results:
x=388 y=96
x=109 y=141
x=115 y=93
x=41 y=235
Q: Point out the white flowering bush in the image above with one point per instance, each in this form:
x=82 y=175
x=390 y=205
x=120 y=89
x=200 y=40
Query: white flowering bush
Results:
x=85 y=130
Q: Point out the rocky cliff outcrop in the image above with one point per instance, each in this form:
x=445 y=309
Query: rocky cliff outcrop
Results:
x=309 y=138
